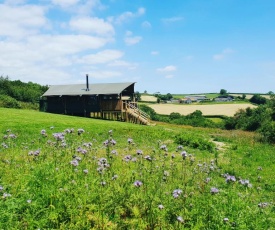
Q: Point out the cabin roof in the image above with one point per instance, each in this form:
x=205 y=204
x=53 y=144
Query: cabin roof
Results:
x=81 y=89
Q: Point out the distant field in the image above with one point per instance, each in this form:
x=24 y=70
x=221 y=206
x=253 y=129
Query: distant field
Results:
x=215 y=109
x=148 y=98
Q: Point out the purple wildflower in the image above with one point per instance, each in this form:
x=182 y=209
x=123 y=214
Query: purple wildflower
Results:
x=148 y=158
x=85 y=171
x=164 y=147
x=103 y=183
x=80 y=131
x=114 y=152
x=207 y=180
x=6 y=195
x=29 y=201
x=184 y=154
x=214 y=190
x=137 y=183
x=230 y=178
x=245 y=182
x=127 y=158
x=130 y=140
x=180 y=147
x=109 y=142
x=139 y=152
x=59 y=136
x=13 y=136
x=5 y=146
x=176 y=193
x=74 y=163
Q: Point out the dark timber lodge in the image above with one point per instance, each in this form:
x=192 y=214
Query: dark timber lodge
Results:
x=112 y=101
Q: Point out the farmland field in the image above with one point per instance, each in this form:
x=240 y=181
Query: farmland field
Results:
x=65 y=172
x=215 y=109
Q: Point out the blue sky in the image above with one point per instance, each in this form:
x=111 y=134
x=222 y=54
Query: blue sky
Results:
x=176 y=46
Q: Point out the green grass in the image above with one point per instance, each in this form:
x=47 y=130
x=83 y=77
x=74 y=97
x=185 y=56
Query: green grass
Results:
x=41 y=187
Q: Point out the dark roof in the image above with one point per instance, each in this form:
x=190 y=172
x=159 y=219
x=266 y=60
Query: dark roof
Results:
x=94 y=89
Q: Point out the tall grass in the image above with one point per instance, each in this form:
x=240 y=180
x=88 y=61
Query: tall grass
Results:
x=62 y=172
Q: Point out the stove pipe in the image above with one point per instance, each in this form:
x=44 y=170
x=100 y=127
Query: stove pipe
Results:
x=87 y=82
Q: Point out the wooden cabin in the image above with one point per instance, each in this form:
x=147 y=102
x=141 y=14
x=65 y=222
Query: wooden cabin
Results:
x=112 y=101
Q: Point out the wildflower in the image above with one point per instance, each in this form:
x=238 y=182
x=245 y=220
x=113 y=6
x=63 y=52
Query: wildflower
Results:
x=130 y=140
x=13 y=136
x=161 y=207
x=59 y=136
x=137 y=183
x=229 y=178
x=88 y=145
x=74 y=163
x=114 y=177
x=114 y=152
x=81 y=150
x=263 y=205
x=103 y=183
x=134 y=159
x=5 y=137
x=8 y=130
x=109 y=142
x=85 y=171
x=245 y=182
x=139 y=152
x=260 y=168
x=225 y=220
x=184 y=154
x=180 y=147
x=5 y=195
x=1 y=188
x=148 y=158
x=80 y=131
x=176 y=193
x=207 y=180
x=164 y=147
x=4 y=145
x=180 y=219
x=29 y=201
x=52 y=127
x=43 y=132
x=127 y=158
x=214 y=190
x=110 y=132
x=37 y=152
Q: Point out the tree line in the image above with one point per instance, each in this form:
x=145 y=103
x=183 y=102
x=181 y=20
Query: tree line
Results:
x=18 y=94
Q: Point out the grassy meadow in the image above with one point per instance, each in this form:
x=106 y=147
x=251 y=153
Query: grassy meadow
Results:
x=64 y=172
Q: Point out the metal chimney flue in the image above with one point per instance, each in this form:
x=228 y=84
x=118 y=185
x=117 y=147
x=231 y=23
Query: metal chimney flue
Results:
x=87 y=82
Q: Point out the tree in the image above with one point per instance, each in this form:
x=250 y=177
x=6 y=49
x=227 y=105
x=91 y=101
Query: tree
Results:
x=258 y=99
x=223 y=92
x=137 y=96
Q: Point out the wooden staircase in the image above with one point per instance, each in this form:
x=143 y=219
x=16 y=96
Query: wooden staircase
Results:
x=136 y=115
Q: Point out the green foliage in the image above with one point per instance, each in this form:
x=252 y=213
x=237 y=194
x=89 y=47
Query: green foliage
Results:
x=258 y=99
x=9 y=102
x=151 y=112
x=223 y=92
x=20 y=91
x=195 y=141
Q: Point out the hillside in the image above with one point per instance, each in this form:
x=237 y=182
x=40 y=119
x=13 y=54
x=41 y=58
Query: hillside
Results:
x=65 y=172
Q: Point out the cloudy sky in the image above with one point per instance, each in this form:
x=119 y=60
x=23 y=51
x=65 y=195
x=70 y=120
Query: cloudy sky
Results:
x=175 y=46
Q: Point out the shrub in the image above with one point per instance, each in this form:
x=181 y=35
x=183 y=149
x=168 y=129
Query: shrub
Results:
x=9 y=102
x=196 y=142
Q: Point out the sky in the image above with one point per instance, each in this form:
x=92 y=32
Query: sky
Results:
x=175 y=46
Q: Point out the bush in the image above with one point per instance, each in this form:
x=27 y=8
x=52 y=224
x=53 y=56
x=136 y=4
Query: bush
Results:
x=267 y=132
x=196 y=142
x=9 y=102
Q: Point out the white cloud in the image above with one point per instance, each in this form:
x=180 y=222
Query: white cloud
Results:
x=131 y=40
x=104 y=74
x=92 y=25
x=102 y=57
x=169 y=68
x=124 y=64
x=21 y=21
x=126 y=16
x=65 y=3
x=146 y=24
x=172 y=20
x=223 y=54
x=154 y=53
